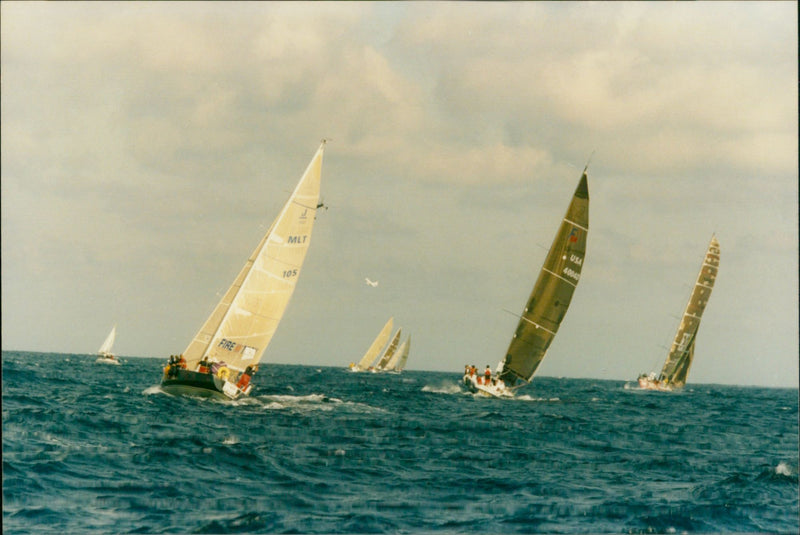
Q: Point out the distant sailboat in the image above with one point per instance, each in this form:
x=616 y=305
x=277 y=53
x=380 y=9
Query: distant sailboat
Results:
x=105 y=354
x=231 y=342
x=372 y=353
x=547 y=303
x=679 y=360
x=390 y=350
x=398 y=362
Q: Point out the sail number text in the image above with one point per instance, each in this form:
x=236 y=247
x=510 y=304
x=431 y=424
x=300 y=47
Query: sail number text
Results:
x=289 y=273
x=298 y=239
x=571 y=273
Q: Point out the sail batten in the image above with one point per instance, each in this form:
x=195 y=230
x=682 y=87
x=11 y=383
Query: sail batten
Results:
x=679 y=360
x=552 y=292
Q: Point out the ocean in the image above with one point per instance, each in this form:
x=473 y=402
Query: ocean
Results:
x=93 y=448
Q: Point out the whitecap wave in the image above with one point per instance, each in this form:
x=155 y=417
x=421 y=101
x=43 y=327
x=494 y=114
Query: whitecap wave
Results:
x=783 y=469
x=443 y=388
x=150 y=390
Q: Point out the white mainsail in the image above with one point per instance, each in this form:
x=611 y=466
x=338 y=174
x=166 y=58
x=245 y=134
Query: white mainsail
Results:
x=105 y=349
x=242 y=324
x=372 y=353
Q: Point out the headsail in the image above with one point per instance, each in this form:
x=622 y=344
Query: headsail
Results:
x=372 y=353
x=243 y=323
x=105 y=349
x=552 y=292
x=676 y=367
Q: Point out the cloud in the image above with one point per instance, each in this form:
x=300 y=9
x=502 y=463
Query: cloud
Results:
x=146 y=147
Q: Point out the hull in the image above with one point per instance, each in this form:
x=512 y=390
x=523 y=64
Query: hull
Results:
x=646 y=383
x=490 y=390
x=185 y=382
x=107 y=360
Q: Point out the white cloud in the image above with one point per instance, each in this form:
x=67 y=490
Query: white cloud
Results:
x=142 y=140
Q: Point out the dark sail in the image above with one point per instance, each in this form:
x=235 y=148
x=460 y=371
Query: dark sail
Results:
x=552 y=292
x=676 y=367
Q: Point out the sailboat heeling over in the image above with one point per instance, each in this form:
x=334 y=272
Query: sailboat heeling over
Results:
x=552 y=292
x=390 y=350
x=681 y=353
x=244 y=321
x=380 y=341
x=395 y=357
x=400 y=357
x=404 y=358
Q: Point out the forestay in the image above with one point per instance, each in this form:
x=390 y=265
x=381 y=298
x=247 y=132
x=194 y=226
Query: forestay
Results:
x=552 y=292
x=243 y=323
x=676 y=367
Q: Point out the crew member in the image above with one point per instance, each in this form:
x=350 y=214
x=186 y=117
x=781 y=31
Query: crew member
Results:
x=244 y=380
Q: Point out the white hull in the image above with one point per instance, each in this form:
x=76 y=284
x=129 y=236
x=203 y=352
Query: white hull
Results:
x=108 y=360
x=498 y=390
x=646 y=383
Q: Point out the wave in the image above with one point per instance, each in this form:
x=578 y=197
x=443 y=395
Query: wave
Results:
x=443 y=388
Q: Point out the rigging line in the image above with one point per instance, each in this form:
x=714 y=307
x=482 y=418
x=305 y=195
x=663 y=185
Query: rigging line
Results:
x=529 y=321
x=574 y=285
x=588 y=161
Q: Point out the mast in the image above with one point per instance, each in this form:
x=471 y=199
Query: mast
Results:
x=552 y=293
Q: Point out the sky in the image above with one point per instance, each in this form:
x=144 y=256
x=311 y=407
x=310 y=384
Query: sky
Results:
x=146 y=148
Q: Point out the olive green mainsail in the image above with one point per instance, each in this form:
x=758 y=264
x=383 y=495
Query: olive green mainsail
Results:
x=676 y=367
x=552 y=292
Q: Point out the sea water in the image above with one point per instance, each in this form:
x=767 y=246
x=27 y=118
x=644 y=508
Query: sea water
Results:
x=94 y=448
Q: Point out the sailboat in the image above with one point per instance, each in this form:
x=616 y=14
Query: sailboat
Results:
x=679 y=359
x=225 y=352
x=389 y=353
x=398 y=362
x=105 y=356
x=546 y=306
x=374 y=349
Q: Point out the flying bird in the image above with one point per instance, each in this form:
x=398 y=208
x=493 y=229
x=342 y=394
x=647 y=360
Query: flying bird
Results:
x=371 y=283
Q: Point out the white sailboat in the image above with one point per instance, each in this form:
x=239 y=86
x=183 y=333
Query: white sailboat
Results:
x=105 y=355
x=225 y=352
x=679 y=360
x=546 y=306
x=371 y=356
